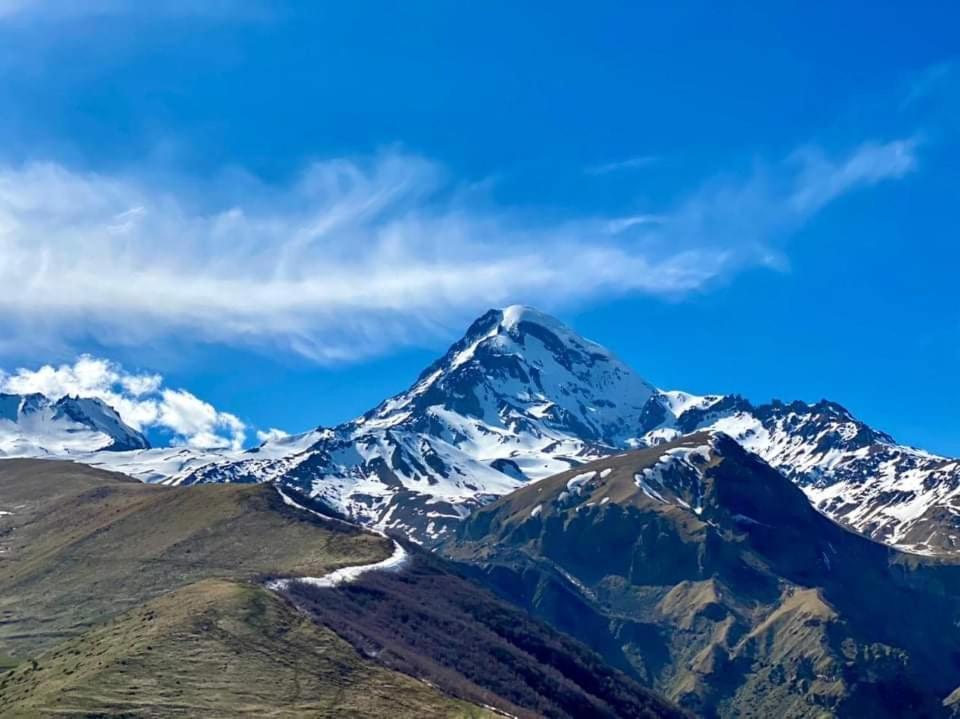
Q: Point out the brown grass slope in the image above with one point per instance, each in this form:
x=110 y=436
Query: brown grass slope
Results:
x=119 y=599
x=81 y=545
x=215 y=648
x=730 y=593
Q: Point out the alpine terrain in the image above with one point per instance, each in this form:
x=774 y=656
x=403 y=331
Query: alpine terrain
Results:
x=521 y=397
x=35 y=425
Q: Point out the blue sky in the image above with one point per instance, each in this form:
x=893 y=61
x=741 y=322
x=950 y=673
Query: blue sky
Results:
x=288 y=209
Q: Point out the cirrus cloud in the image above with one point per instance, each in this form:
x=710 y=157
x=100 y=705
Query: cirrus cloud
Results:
x=359 y=255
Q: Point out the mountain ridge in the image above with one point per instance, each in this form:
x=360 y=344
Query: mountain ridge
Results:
x=709 y=576
x=521 y=397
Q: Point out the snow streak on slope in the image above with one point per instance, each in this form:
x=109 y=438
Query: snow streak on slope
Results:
x=394 y=563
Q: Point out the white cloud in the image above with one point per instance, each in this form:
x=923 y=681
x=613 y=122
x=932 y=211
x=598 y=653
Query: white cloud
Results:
x=359 y=255
x=198 y=421
x=271 y=435
x=822 y=180
x=140 y=399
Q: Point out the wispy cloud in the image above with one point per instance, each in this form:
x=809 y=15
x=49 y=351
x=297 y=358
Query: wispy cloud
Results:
x=630 y=163
x=359 y=255
x=141 y=399
x=823 y=179
x=622 y=224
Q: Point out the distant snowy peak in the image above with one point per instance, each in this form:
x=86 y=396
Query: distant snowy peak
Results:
x=853 y=473
x=519 y=370
x=35 y=425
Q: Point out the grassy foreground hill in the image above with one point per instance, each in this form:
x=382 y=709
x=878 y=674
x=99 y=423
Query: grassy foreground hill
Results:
x=130 y=600
x=120 y=599
x=215 y=648
x=698 y=569
x=80 y=545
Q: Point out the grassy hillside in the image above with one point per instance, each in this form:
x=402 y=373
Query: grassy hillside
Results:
x=80 y=545
x=215 y=648
x=122 y=599
x=698 y=569
x=119 y=599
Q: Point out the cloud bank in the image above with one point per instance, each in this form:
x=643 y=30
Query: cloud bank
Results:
x=141 y=400
x=358 y=255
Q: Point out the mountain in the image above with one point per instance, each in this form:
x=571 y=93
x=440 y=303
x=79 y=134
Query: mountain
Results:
x=119 y=598
x=702 y=571
x=858 y=475
x=34 y=425
x=518 y=398
x=521 y=397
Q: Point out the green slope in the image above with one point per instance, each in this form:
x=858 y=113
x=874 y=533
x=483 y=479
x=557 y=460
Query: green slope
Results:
x=81 y=545
x=215 y=648
x=128 y=600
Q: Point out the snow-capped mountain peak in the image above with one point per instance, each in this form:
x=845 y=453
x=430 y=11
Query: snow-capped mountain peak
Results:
x=520 y=397
x=34 y=424
x=520 y=370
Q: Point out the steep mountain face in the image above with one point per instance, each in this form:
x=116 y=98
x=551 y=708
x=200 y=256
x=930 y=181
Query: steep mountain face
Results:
x=701 y=570
x=521 y=397
x=34 y=425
